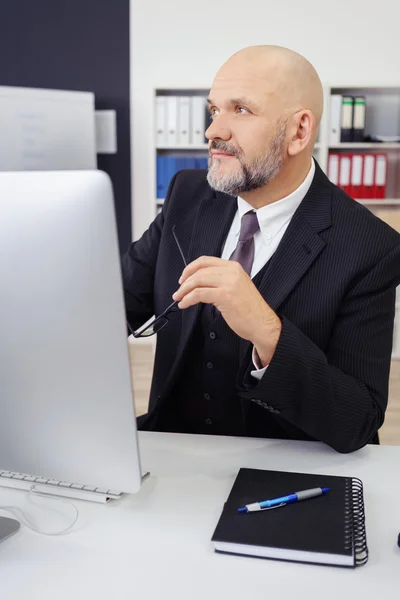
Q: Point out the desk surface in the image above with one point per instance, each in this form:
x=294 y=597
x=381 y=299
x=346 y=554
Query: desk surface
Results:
x=156 y=544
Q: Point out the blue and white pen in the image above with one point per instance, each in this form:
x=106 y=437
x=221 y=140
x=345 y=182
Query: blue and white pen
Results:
x=276 y=502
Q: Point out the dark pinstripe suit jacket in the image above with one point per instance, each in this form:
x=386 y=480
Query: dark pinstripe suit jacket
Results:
x=332 y=281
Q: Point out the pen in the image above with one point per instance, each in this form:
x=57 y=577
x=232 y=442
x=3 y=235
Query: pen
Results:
x=276 y=502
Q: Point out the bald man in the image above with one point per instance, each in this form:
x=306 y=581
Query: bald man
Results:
x=274 y=292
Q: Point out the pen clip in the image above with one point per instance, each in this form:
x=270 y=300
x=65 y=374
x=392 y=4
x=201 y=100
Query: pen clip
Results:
x=272 y=507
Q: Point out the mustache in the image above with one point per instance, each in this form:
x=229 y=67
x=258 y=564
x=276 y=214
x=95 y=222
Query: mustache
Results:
x=224 y=147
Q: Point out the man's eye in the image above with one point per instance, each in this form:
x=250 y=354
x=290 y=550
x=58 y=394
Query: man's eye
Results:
x=213 y=111
x=242 y=110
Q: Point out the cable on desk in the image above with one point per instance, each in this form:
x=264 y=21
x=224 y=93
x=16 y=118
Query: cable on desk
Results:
x=26 y=520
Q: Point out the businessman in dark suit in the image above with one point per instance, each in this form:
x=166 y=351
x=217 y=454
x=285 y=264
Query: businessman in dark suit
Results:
x=284 y=315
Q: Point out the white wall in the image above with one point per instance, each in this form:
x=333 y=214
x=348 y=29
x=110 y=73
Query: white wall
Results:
x=181 y=43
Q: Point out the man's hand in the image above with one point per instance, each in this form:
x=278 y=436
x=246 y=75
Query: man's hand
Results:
x=227 y=286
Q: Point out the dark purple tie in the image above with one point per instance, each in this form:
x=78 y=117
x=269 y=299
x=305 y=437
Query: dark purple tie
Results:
x=244 y=251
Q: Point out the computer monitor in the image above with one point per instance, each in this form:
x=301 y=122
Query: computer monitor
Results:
x=66 y=399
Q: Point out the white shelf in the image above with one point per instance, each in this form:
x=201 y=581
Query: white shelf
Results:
x=366 y=145
x=369 y=202
x=202 y=89
x=382 y=202
x=187 y=147
x=203 y=147
x=322 y=147
x=317 y=146
x=366 y=89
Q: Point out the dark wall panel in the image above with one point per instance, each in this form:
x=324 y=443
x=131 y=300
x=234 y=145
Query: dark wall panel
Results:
x=76 y=45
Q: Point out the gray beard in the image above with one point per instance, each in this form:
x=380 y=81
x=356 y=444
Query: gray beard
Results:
x=251 y=176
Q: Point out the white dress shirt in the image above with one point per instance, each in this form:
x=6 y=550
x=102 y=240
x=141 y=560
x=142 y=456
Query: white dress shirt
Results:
x=273 y=220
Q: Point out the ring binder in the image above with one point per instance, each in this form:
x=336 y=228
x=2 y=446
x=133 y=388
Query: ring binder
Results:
x=359 y=530
x=355 y=532
x=327 y=530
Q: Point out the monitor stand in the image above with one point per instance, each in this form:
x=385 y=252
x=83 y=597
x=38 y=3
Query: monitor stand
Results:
x=8 y=527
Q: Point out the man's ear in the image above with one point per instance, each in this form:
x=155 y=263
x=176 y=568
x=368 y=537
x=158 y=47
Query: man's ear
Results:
x=302 y=131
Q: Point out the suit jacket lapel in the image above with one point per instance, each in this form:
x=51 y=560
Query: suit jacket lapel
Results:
x=211 y=227
x=212 y=224
x=299 y=247
x=292 y=259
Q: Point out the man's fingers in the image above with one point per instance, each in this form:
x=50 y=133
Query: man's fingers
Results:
x=207 y=277
x=205 y=295
x=200 y=263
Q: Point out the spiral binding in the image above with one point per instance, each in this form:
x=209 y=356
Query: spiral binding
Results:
x=355 y=534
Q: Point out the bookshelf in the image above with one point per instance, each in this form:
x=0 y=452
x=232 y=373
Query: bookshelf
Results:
x=365 y=146
x=382 y=119
x=381 y=135
x=177 y=149
x=385 y=202
x=184 y=147
x=383 y=116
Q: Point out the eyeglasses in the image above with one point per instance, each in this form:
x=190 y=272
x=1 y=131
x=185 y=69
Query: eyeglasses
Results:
x=155 y=324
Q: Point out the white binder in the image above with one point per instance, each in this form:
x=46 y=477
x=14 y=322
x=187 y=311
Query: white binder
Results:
x=198 y=119
x=161 y=120
x=335 y=119
x=172 y=120
x=184 y=120
x=333 y=168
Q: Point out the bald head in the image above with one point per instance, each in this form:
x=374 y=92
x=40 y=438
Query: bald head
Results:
x=283 y=77
x=265 y=105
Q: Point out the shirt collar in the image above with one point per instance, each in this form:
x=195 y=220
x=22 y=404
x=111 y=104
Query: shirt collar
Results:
x=273 y=217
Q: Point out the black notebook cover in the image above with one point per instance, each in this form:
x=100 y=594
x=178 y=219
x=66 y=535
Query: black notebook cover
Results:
x=328 y=529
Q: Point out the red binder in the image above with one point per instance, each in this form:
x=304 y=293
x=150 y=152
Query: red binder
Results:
x=345 y=173
x=333 y=168
x=381 y=161
x=357 y=161
x=368 y=182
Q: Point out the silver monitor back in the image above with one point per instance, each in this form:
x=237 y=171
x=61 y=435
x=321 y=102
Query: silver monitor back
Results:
x=66 y=401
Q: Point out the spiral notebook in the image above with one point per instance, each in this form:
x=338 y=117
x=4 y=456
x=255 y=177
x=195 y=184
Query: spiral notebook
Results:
x=328 y=529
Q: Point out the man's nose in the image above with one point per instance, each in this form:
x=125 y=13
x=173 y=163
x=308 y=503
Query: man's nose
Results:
x=218 y=129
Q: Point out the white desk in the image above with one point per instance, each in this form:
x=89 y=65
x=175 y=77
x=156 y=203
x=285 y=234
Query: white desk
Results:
x=156 y=544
